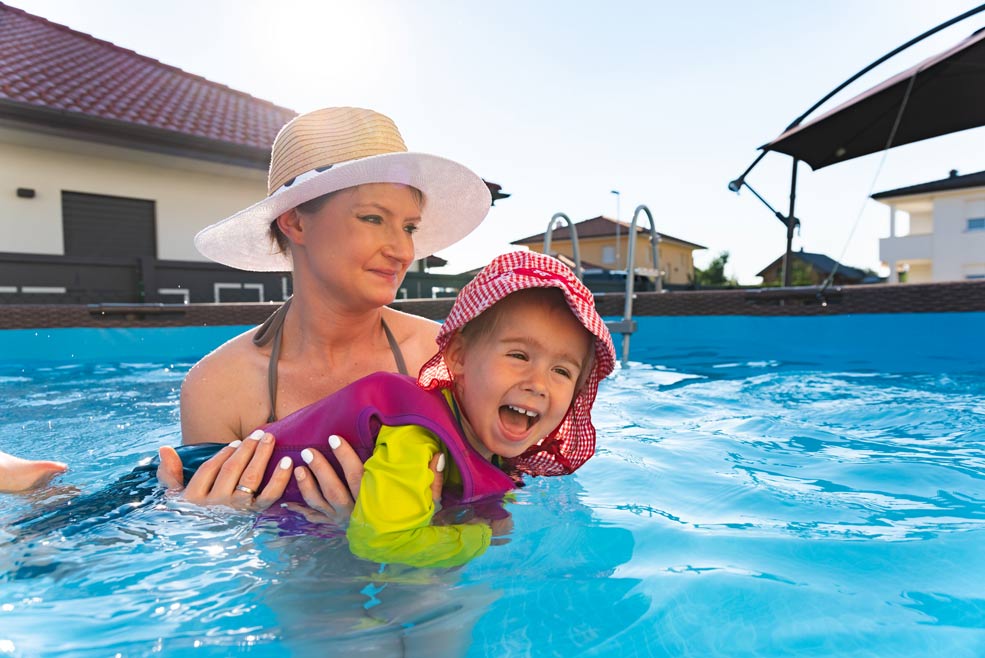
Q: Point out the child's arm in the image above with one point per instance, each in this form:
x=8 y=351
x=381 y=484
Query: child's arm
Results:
x=391 y=520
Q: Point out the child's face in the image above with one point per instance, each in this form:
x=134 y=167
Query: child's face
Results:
x=516 y=382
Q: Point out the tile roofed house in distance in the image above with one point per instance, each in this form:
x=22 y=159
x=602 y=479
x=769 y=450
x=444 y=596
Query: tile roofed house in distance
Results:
x=62 y=80
x=815 y=268
x=597 y=227
x=602 y=241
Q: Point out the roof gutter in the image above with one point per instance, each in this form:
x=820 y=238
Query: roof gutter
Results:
x=76 y=125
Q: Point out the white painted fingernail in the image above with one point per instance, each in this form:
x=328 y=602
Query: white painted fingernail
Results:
x=334 y=442
x=441 y=462
x=286 y=463
x=307 y=455
x=256 y=435
x=235 y=444
x=284 y=505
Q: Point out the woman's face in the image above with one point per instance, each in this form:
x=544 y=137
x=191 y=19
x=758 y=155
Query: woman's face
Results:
x=359 y=244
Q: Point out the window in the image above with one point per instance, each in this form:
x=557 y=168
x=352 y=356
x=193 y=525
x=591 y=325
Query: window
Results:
x=976 y=223
x=108 y=226
x=608 y=255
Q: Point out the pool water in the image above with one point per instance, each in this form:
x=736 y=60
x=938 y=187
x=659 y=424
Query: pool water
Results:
x=750 y=497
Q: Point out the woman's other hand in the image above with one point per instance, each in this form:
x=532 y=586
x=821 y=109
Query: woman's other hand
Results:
x=328 y=500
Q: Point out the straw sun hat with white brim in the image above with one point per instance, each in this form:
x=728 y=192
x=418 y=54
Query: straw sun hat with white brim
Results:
x=333 y=149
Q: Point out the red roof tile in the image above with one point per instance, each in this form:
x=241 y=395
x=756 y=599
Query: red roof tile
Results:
x=51 y=66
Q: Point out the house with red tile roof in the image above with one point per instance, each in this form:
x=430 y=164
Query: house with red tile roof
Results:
x=111 y=162
x=603 y=244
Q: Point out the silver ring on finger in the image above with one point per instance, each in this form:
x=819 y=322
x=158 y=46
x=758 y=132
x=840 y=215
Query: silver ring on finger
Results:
x=246 y=489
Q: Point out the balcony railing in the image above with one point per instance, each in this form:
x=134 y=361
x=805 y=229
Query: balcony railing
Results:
x=907 y=247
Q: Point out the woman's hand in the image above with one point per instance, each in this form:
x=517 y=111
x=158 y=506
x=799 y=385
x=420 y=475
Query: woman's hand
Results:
x=328 y=501
x=242 y=464
x=232 y=476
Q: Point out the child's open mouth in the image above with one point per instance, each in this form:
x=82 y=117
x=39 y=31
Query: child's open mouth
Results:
x=516 y=419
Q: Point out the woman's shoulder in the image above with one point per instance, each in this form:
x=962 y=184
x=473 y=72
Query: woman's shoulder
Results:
x=236 y=352
x=225 y=384
x=413 y=327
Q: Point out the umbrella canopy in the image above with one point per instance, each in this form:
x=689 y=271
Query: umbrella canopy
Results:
x=943 y=94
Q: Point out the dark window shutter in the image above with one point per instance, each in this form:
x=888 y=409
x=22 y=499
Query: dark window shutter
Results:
x=108 y=226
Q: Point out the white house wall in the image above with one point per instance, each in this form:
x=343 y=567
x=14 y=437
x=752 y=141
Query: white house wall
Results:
x=955 y=247
x=188 y=194
x=921 y=223
x=920 y=272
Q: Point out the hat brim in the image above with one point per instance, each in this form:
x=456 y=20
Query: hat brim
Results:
x=456 y=200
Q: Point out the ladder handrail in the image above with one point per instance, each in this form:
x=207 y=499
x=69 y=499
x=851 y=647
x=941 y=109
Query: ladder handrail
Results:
x=574 y=240
x=627 y=314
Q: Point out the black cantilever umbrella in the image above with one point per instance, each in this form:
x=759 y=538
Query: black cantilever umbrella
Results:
x=940 y=95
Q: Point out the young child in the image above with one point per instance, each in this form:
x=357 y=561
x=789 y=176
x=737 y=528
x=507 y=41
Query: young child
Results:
x=509 y=392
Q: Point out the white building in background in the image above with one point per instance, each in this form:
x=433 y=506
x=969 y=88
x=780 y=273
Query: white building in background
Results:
x=946 y=236
x=111 y=161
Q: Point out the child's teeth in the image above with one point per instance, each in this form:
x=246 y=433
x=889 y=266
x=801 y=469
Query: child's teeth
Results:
x=523 y=411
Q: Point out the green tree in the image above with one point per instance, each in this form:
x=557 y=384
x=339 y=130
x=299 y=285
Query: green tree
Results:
x=714 y=274
x=801 y=274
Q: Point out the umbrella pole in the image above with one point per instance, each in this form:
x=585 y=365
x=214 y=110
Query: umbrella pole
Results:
x=791 y=221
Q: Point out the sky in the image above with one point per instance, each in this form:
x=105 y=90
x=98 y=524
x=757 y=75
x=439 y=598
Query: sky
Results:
x=563 y=102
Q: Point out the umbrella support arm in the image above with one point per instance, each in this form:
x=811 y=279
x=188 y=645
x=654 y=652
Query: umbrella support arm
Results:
x=790 y=222
x=776 y=213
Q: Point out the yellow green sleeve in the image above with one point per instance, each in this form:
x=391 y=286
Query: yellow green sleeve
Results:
x=391 y=520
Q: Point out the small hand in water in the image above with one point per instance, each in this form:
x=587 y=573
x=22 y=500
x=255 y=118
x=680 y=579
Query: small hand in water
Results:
x=501 y=530
x=18 y=474
x=502 y=526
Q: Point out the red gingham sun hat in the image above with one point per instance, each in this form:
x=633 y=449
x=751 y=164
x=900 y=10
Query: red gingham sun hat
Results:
x=573 y=441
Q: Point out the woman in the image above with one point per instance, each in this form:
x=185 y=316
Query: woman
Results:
x=348 y=210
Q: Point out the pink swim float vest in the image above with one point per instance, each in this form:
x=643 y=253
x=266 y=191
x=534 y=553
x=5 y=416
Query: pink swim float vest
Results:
x=358 y=411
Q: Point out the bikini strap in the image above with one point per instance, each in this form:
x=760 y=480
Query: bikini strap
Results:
x=270 y=332
x=271 y=326
x=395 y=348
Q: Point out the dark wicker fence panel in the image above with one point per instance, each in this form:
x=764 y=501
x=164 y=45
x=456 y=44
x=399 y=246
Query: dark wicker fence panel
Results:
x=56 y=279
x=962 y=296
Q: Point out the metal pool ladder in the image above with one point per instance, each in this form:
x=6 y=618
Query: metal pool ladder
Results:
x=626 y=326
x=574 y=239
